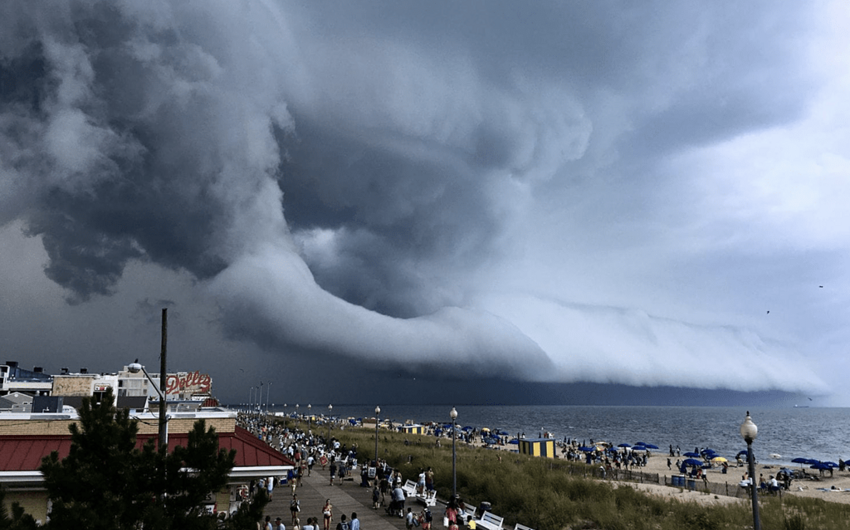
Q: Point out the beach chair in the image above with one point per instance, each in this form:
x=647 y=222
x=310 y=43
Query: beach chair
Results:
x=409 y=488
x=490 y=521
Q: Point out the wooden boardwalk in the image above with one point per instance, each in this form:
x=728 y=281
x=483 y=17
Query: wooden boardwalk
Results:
x=345 y=499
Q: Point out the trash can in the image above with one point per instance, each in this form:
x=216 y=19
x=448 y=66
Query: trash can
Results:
x=692 y=484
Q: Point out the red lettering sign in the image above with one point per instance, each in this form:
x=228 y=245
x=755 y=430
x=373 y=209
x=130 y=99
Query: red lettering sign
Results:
x=192 y=383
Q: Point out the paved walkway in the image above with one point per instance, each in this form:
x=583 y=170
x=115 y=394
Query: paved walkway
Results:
x=345 y=499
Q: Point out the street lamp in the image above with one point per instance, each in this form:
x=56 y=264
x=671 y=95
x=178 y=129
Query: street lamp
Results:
x=309 y=417
x=135 y=368
x=377 y=413
x=453 y=414
x=297 y=417
x=268 y=392
x=330 y=409
x=749 y=431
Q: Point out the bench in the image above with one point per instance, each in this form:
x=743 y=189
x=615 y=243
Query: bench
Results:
x=409 y=488
x=490 y=521
x=522 y=527
x=428 y=499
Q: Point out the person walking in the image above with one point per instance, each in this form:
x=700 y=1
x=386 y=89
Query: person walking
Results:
x=294 y=508
x=355 y=522
x=327 y=514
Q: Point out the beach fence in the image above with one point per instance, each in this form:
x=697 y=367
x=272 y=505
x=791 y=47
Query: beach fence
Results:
x=676 y=481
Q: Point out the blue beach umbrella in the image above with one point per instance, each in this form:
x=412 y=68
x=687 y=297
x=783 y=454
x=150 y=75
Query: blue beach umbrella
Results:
x=830 y=464
x=693 y=462
x=513 y=441
x=639 y=443
x=650 y=446
x=692 y=454
x=586 y=449
x=820 y=465
x=624 y=445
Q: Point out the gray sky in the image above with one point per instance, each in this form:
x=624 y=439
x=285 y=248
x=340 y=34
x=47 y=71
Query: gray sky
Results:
x=340 y=197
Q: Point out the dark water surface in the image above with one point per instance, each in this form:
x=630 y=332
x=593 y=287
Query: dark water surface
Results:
x=820 y=433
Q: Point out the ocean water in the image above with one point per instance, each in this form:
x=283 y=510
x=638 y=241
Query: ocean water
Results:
x=819 y=433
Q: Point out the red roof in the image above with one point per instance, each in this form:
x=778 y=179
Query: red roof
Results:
x=24 y=452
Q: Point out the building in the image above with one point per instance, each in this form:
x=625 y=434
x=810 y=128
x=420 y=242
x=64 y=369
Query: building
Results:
x=34 y=382
x=26 y=438
x=36 y=411
x=538 y=447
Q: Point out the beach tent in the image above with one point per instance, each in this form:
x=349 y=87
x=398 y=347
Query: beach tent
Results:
x=538 y=447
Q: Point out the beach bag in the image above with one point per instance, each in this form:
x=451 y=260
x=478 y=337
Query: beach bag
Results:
x=446 y=521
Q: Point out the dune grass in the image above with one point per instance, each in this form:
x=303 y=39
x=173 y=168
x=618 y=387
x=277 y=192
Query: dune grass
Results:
x=548 y=494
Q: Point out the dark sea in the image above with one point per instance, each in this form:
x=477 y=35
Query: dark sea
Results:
x=819 y=433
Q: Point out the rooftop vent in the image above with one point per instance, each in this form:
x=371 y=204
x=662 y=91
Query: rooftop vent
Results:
x=38 y=369
x=84 y=370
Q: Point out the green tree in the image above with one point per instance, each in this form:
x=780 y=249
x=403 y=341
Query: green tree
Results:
x=106 y=483
x=19 y=520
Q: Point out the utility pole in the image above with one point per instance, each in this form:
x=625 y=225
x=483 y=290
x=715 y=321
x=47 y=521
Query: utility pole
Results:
x=163 y=375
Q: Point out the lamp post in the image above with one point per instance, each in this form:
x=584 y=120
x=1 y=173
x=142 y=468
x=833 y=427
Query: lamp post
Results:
x=309 y=417
x=260 y=399
x=297 y=416
x=268 y=393
x=135 y=368
x=453 y=414
x=749 y=431
x=330 y=410
x=377 y=413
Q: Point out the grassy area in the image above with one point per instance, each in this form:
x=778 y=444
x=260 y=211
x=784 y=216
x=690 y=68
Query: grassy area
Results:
x=548 y=494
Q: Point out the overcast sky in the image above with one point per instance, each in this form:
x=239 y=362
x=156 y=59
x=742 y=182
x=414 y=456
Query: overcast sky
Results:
x=342 y=197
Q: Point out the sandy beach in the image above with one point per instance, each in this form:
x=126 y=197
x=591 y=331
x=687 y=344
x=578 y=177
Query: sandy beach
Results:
x=813 y=486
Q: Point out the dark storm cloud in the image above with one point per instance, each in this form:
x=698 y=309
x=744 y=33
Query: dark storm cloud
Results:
x=378 y=180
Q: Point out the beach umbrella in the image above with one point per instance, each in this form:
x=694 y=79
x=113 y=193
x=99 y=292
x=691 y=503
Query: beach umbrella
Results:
x=586 y=449
x=513 y=441
x=708 y=450
x=800 y=460
x=718 y=459
x=650 y=446
x=692 y=454
x=639 y=443
x=741 y=453
x=830 y=464
x=502 y=433
x=693 y=462
x=624 y=445
x=820 y=465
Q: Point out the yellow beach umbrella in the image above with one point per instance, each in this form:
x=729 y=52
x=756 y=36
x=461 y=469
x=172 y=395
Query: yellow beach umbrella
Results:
x=718 y=459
